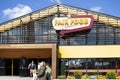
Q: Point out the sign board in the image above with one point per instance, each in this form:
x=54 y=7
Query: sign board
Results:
x=73 y=23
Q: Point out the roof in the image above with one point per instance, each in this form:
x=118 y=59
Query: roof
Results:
x=64 y=9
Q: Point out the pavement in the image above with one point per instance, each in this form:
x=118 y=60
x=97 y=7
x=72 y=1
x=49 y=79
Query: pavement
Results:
x=19 y=78
x=22 y=78
x=15 y=78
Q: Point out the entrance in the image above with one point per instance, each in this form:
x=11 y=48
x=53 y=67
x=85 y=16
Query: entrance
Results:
x=8 y=68
x=14 y=66
x=12 y=54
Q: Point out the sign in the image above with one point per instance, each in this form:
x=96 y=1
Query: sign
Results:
x=73 y=24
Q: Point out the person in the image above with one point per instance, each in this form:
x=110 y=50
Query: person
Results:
x=23 y=63
x=32 y=68
x=41 y=71
x=34 y=76
x=48 y=72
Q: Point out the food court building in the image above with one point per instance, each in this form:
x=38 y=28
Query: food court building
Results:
x=68 y=38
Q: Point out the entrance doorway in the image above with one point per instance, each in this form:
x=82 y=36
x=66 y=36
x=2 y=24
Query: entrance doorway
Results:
x=15 y=65
x=12 y=66
x=8 y=69
x=12 y=54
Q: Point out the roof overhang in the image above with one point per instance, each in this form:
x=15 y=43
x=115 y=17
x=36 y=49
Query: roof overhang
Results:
x=64 y=9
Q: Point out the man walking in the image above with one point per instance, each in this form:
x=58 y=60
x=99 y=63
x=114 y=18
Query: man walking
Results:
x=32 y=68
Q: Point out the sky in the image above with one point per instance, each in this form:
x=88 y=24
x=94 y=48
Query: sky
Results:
x=10 y=9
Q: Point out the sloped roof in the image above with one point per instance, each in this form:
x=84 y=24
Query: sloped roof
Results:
x=65 y=9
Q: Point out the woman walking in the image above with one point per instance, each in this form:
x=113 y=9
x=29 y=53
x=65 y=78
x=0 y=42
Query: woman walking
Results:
x=41 y=71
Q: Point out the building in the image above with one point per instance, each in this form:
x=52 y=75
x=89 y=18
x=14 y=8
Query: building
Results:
x=32 y=37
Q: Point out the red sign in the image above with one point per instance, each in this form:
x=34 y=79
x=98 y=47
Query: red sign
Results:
x=73 y=24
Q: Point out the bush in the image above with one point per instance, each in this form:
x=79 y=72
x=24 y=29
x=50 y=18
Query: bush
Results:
x=111 y=75
x=118 y=73
x=101 y=77
x=85 y=77
x=61 y=77
x=77 y=75
x=70 y=77
x=118 y=78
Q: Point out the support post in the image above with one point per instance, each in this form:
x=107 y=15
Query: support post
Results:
x=54 y=61
x=116 y=65
x=12 y=67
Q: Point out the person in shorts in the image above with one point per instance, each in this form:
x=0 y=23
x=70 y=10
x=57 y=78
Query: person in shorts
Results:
x=32 y=68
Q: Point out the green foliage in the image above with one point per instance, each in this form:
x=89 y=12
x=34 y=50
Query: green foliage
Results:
x=85 y=77
x=111 y=75
x=70 y=77
x=61 y=77
x=77 y=75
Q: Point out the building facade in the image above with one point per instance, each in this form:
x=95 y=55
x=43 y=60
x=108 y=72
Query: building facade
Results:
x=33 y=37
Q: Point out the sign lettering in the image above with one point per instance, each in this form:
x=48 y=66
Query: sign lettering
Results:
x=73 y=23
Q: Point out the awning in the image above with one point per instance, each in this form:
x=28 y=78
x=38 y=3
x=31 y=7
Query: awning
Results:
x=26 y=50
x=96 y=51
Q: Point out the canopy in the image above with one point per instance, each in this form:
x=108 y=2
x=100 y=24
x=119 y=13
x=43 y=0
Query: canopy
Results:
x=100 y=51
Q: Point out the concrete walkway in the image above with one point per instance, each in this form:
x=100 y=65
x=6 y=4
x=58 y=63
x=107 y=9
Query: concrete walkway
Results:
x=15 y=78
x=21 y=78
